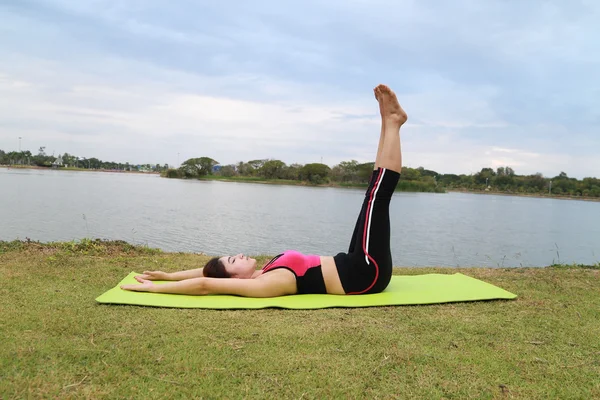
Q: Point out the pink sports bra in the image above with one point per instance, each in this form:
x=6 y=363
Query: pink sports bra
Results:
x=307 y=268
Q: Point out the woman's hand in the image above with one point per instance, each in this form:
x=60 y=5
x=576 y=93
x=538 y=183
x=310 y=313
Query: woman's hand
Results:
x=154 y=276
x=146 y=285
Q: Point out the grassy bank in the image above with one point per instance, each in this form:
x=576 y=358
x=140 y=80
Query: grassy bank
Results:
x=254 y=179
x=75 y=169
x=58 y=343
x=403 y=186
x=534 y=195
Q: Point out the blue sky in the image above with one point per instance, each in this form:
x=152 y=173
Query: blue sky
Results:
x=485 y=83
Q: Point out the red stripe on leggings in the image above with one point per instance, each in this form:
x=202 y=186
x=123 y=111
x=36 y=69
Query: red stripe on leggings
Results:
x=370 y=204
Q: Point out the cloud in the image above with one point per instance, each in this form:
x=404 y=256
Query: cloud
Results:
x=485 y=83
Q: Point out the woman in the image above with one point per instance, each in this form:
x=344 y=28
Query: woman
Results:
x=366 y=268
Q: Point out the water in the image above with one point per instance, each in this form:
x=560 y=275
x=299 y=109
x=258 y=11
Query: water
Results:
x=221 y=218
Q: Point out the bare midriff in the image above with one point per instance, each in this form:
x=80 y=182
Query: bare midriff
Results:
x=331 y=276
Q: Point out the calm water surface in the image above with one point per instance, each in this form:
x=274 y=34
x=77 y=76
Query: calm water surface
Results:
x=220 y=218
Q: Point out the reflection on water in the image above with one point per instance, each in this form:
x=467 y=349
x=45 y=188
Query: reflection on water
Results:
x=226 y=218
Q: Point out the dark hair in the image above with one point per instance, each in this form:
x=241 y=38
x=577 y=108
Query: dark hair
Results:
x=215 y=269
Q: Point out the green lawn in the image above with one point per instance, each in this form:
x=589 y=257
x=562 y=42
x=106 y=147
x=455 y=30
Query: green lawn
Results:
x=56 y=342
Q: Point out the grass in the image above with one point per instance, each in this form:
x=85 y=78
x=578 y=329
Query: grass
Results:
x=576 y=266
x=56 y=342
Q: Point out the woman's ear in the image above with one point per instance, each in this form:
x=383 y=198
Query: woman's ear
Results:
x=232 y=273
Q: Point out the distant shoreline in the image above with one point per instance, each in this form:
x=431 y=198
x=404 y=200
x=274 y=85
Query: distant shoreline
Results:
x=75 y=169
x=306 y=184
x=358 y=186
x=286 y=182
x=535 y=195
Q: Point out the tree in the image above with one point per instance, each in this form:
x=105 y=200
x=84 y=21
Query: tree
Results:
x=255 y=166
x=536 y=181
x=449 y=179
x=427 y=172
x=292 y=172
x=592 y=186
x=42 y=160
x=505 y=171
x=504 y=176
x=197 y=167
x=243 y=168
x=564 y=183
x=69 y=160
x=337 y=174
x=365 y=171
x=173 y=173
x=272 y=169
x=227 y=171
x=12 y=157
x=485 y=175
x=94 y=163
x=467 y=181
x=410 y=174
x=315 y=173
x=346 y=171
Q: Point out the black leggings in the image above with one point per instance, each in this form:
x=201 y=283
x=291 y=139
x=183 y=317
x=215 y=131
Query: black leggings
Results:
x=367 y=267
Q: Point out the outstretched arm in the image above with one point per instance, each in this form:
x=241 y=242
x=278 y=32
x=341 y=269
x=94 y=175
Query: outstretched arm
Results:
x=172 y=276
x=268 y=286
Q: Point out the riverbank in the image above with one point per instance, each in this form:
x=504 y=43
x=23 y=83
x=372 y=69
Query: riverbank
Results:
x=248 y=179
x=403 y=186
x=59 y=343
x=287 y=182
x=533 y=195
x=75 y=169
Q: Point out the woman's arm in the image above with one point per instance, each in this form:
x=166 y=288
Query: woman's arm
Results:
x=172 y=276
x=272 y=285
x=188 y=274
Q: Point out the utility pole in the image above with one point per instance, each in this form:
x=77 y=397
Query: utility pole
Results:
x=550 y=188
x=20 y=143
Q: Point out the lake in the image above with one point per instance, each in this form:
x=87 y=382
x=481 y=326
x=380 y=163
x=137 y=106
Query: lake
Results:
x=219 y=218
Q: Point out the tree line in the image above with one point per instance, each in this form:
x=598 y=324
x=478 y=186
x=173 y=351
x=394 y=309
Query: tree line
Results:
x=346 y=173
x=502 y=179
x=41 y=159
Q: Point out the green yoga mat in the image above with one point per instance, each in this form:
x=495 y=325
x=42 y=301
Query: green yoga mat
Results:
x=402 y=290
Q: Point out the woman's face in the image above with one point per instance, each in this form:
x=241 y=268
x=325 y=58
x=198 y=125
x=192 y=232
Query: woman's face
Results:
x=239 y=266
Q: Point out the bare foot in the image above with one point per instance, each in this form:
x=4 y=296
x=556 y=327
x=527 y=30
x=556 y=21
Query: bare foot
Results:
x=378 y=96
x=388 y=105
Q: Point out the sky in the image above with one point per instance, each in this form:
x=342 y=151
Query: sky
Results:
x=485 y=83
